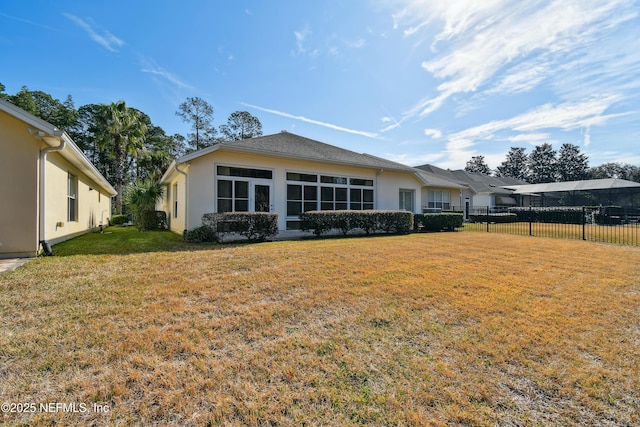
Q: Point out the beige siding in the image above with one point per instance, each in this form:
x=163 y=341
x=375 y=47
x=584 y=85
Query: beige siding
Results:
x=174 y=192
x=18 y=188
x=93 y=207
x=202 y=181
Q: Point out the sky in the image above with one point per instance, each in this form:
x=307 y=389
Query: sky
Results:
x=414 y=81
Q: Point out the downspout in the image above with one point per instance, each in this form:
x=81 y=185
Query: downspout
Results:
x=186 y=193
x=42 y=203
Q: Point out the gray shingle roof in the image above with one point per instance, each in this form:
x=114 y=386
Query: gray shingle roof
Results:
x=476 y=182
x=286 y=144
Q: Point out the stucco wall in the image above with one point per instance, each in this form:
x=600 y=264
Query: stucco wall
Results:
x=93 y=205
x=18 y=188
x=202 y=175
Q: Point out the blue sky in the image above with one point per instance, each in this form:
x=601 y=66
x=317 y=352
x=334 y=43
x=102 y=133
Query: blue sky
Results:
x=418 y=82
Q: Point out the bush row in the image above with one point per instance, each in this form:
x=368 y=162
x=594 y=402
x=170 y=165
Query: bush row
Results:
x=493 y=218
x=448 y=221
x=152 y=221
x=558 y=215
x=320 y=222
x=119 y=219
x=255 y=226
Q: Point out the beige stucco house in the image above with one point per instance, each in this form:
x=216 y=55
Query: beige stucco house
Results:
x=289 y=174
x=50 y=191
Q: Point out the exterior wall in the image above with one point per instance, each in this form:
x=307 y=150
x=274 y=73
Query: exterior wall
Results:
x=19 y=153
x=482 y=200
x=201 y=186
x=389 y=185
x=93 y=205
x=176 y=219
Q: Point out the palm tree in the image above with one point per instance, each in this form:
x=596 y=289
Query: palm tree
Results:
x=124 y=134
x=142 y=198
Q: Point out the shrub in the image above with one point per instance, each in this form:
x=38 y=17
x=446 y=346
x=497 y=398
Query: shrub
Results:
x=201 y=234
x=438 y=222
x=255 y=226
x=495 y=218
x=558 y=215
x=320 y=222
x=119 y=219
x=152 y=221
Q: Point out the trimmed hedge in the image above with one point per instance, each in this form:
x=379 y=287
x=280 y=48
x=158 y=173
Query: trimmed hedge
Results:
x=200 y=234
x=438 y=221
x=255 y=226
x=119 y=219
x=152 y=221
x=556 y=215
x=320 y=222
x=493 y=218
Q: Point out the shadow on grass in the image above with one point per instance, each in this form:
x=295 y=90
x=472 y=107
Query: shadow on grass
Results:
x=127 y=240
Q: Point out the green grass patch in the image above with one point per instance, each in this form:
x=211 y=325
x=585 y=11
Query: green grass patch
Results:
x=123 y=240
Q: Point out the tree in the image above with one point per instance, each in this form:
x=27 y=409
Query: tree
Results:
x=515 y=165
x=63 y=115
x=542 y=164
x=123 y=131
x=241 y=125
x=615 y=170
x=572 y=164
x=478 y=165
x=199 y=113
x=143 y=198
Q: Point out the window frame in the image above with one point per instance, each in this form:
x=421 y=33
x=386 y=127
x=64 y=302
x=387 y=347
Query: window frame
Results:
x=72 y=197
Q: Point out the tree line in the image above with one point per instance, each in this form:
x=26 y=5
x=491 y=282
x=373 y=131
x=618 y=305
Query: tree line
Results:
x=544 y=164
x=123 y=143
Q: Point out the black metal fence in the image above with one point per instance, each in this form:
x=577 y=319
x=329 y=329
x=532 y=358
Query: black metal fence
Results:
x=608 y=224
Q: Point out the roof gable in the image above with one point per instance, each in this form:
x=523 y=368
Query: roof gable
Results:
x=286 y=144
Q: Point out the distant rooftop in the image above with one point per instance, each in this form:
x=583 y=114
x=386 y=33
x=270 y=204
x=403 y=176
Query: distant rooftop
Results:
x=586 y=185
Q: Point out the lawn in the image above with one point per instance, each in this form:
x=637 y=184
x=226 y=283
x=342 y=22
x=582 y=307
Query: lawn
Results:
x=423 y=329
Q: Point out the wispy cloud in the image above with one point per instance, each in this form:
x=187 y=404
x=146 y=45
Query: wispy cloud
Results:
x=433 y=133
x=103 y=37
x=509 y=40
x=26 y=21
x=171 y=78
x=566 y=116
x=312 y=121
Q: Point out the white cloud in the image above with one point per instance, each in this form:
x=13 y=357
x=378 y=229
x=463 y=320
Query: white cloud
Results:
x=315 y=122
x=480 y=39
x=301 y=38
x=161 y=72
x=433 y=133
x=102 y=37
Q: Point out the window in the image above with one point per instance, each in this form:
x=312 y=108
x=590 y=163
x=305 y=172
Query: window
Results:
x=233 y=196
x=175 y=200
x=301 y=198
x=245 y=172
x=304 y=177
x=72 y=201
x=305 y=192
x=439 y=199
x=406 y=200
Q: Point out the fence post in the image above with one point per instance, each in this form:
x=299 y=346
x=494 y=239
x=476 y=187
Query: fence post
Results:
x=584 y=223
x=487 y=219
x=530 y=221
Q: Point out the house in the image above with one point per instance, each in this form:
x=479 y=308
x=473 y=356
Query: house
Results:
x=50 y=190
x=289 y=174
x=480 y=191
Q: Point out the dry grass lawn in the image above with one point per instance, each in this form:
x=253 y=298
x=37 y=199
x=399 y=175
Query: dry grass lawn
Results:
x=428 y=329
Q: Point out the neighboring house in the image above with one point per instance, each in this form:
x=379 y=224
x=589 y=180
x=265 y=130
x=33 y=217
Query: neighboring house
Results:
x=50 y=191
x=480 y=191
x=290 y=174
